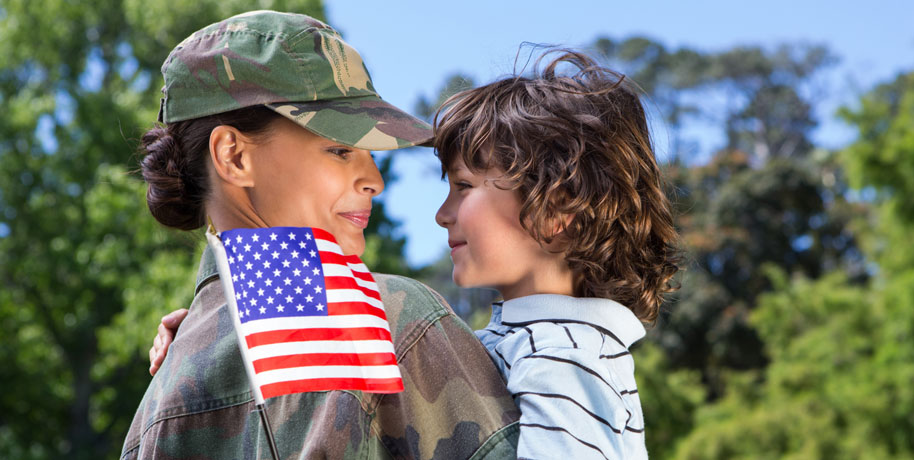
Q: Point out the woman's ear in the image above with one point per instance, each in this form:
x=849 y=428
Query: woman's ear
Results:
x=231 y=152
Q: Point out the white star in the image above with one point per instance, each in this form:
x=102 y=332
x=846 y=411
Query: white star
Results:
x=316 y=271
x=294 y=254
x=251 y=284
x=247 y=248
x=285 y=264
x=237 y=296
x=270 y=300
x=291 y=236
x=320 y=307
x=240 y=257
x=296 y=272
x=256 y=256
x=276 y=272
x=318 y=289
x=263 y=310
x=287 y=281
x=272 y=237
x=249 y=265
x=264 y=246
x=240 y=314
x=238 y=239
x=309 y=298
x=241 y=275
x=235 y=278
x=312 y=253
x=259 y=274
x=247 y=312
x=275 y=255
x=268 y=282
x=307 y=236
x=288 y=299
x=279 y=308
x=253 y=302
x=301 y=245
x=260 y=292
x=300 y=307
x=278 y=290
x=256 y=237
x=244 y=294
x=306 y=262
x=298 y=290
x=266 y=264
x=307 y=280
x=283 y=245
x=231 y=260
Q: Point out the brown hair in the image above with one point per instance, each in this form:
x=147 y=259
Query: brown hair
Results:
x=175 y=163
x=575 y=146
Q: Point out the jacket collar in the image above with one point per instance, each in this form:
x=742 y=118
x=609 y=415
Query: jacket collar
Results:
x=208 y=270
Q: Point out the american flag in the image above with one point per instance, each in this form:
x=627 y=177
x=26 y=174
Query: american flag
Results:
x=309 y=318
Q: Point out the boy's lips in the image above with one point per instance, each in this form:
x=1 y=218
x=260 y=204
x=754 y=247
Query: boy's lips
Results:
x=358 y=218
x=454 y=244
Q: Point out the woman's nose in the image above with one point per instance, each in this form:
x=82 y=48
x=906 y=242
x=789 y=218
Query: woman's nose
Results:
x=370 y=181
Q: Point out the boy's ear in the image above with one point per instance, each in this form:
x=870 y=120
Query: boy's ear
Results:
x=231 y=153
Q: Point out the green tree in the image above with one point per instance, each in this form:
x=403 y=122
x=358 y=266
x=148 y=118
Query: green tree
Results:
x=85 y=272
x=839 y=382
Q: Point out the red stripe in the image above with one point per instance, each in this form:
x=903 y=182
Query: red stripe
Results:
x=306 y=335
x=345 y=282
x=354 y=308
x=322 y=234
x=364 y=276
x=324 y=359
x=393 y=385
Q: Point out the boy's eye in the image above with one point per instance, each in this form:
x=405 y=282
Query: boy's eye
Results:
x=461 y=185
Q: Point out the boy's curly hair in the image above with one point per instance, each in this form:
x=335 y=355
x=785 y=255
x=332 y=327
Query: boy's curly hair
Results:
x=574 y=146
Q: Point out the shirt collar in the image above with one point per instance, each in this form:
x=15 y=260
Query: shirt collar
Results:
x=604 y=313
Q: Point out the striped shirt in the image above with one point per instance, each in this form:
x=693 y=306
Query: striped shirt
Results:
x=567 y=364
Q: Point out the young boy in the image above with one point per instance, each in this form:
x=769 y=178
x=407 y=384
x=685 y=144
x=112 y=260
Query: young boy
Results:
x=557 y=202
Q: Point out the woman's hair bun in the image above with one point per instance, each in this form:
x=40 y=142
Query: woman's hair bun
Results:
x=176 y=185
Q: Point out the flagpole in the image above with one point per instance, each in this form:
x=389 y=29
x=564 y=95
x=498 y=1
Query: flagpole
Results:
x=269 y=430
x=224 y=275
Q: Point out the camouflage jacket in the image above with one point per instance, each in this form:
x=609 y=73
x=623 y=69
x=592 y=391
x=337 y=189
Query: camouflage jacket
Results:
x=455 y=404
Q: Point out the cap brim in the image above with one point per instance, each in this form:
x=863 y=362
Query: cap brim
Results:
x=365 y=122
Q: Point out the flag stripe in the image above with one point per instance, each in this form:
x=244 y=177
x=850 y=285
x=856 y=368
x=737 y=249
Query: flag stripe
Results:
x=352 y=295
x=315 y=334
x=333 y=372
x=324 y=359
x=315 y=322
x=354 y=308
x=392 y=385
x=324 y=346
x=343 y=282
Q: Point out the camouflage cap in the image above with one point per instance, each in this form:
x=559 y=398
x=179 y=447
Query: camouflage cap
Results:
x=293 y=64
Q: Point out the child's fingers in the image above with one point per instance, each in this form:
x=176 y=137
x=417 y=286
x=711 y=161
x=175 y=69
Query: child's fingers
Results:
x=174 y=319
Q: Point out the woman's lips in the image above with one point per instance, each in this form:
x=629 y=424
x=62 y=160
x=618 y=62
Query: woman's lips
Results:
x=358 y=218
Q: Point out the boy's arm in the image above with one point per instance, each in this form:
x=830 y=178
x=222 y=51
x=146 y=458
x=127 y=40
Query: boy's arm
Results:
x=568 y=409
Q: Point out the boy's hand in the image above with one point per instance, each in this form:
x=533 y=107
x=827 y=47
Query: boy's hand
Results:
x=167 y=329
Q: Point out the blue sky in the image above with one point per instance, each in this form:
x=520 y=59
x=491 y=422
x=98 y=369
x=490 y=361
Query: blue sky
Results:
x=410 y=47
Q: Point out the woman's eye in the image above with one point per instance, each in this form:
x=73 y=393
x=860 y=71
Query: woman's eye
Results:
x=340 y=152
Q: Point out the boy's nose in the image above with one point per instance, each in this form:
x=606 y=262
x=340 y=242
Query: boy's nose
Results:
x=444 y=217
